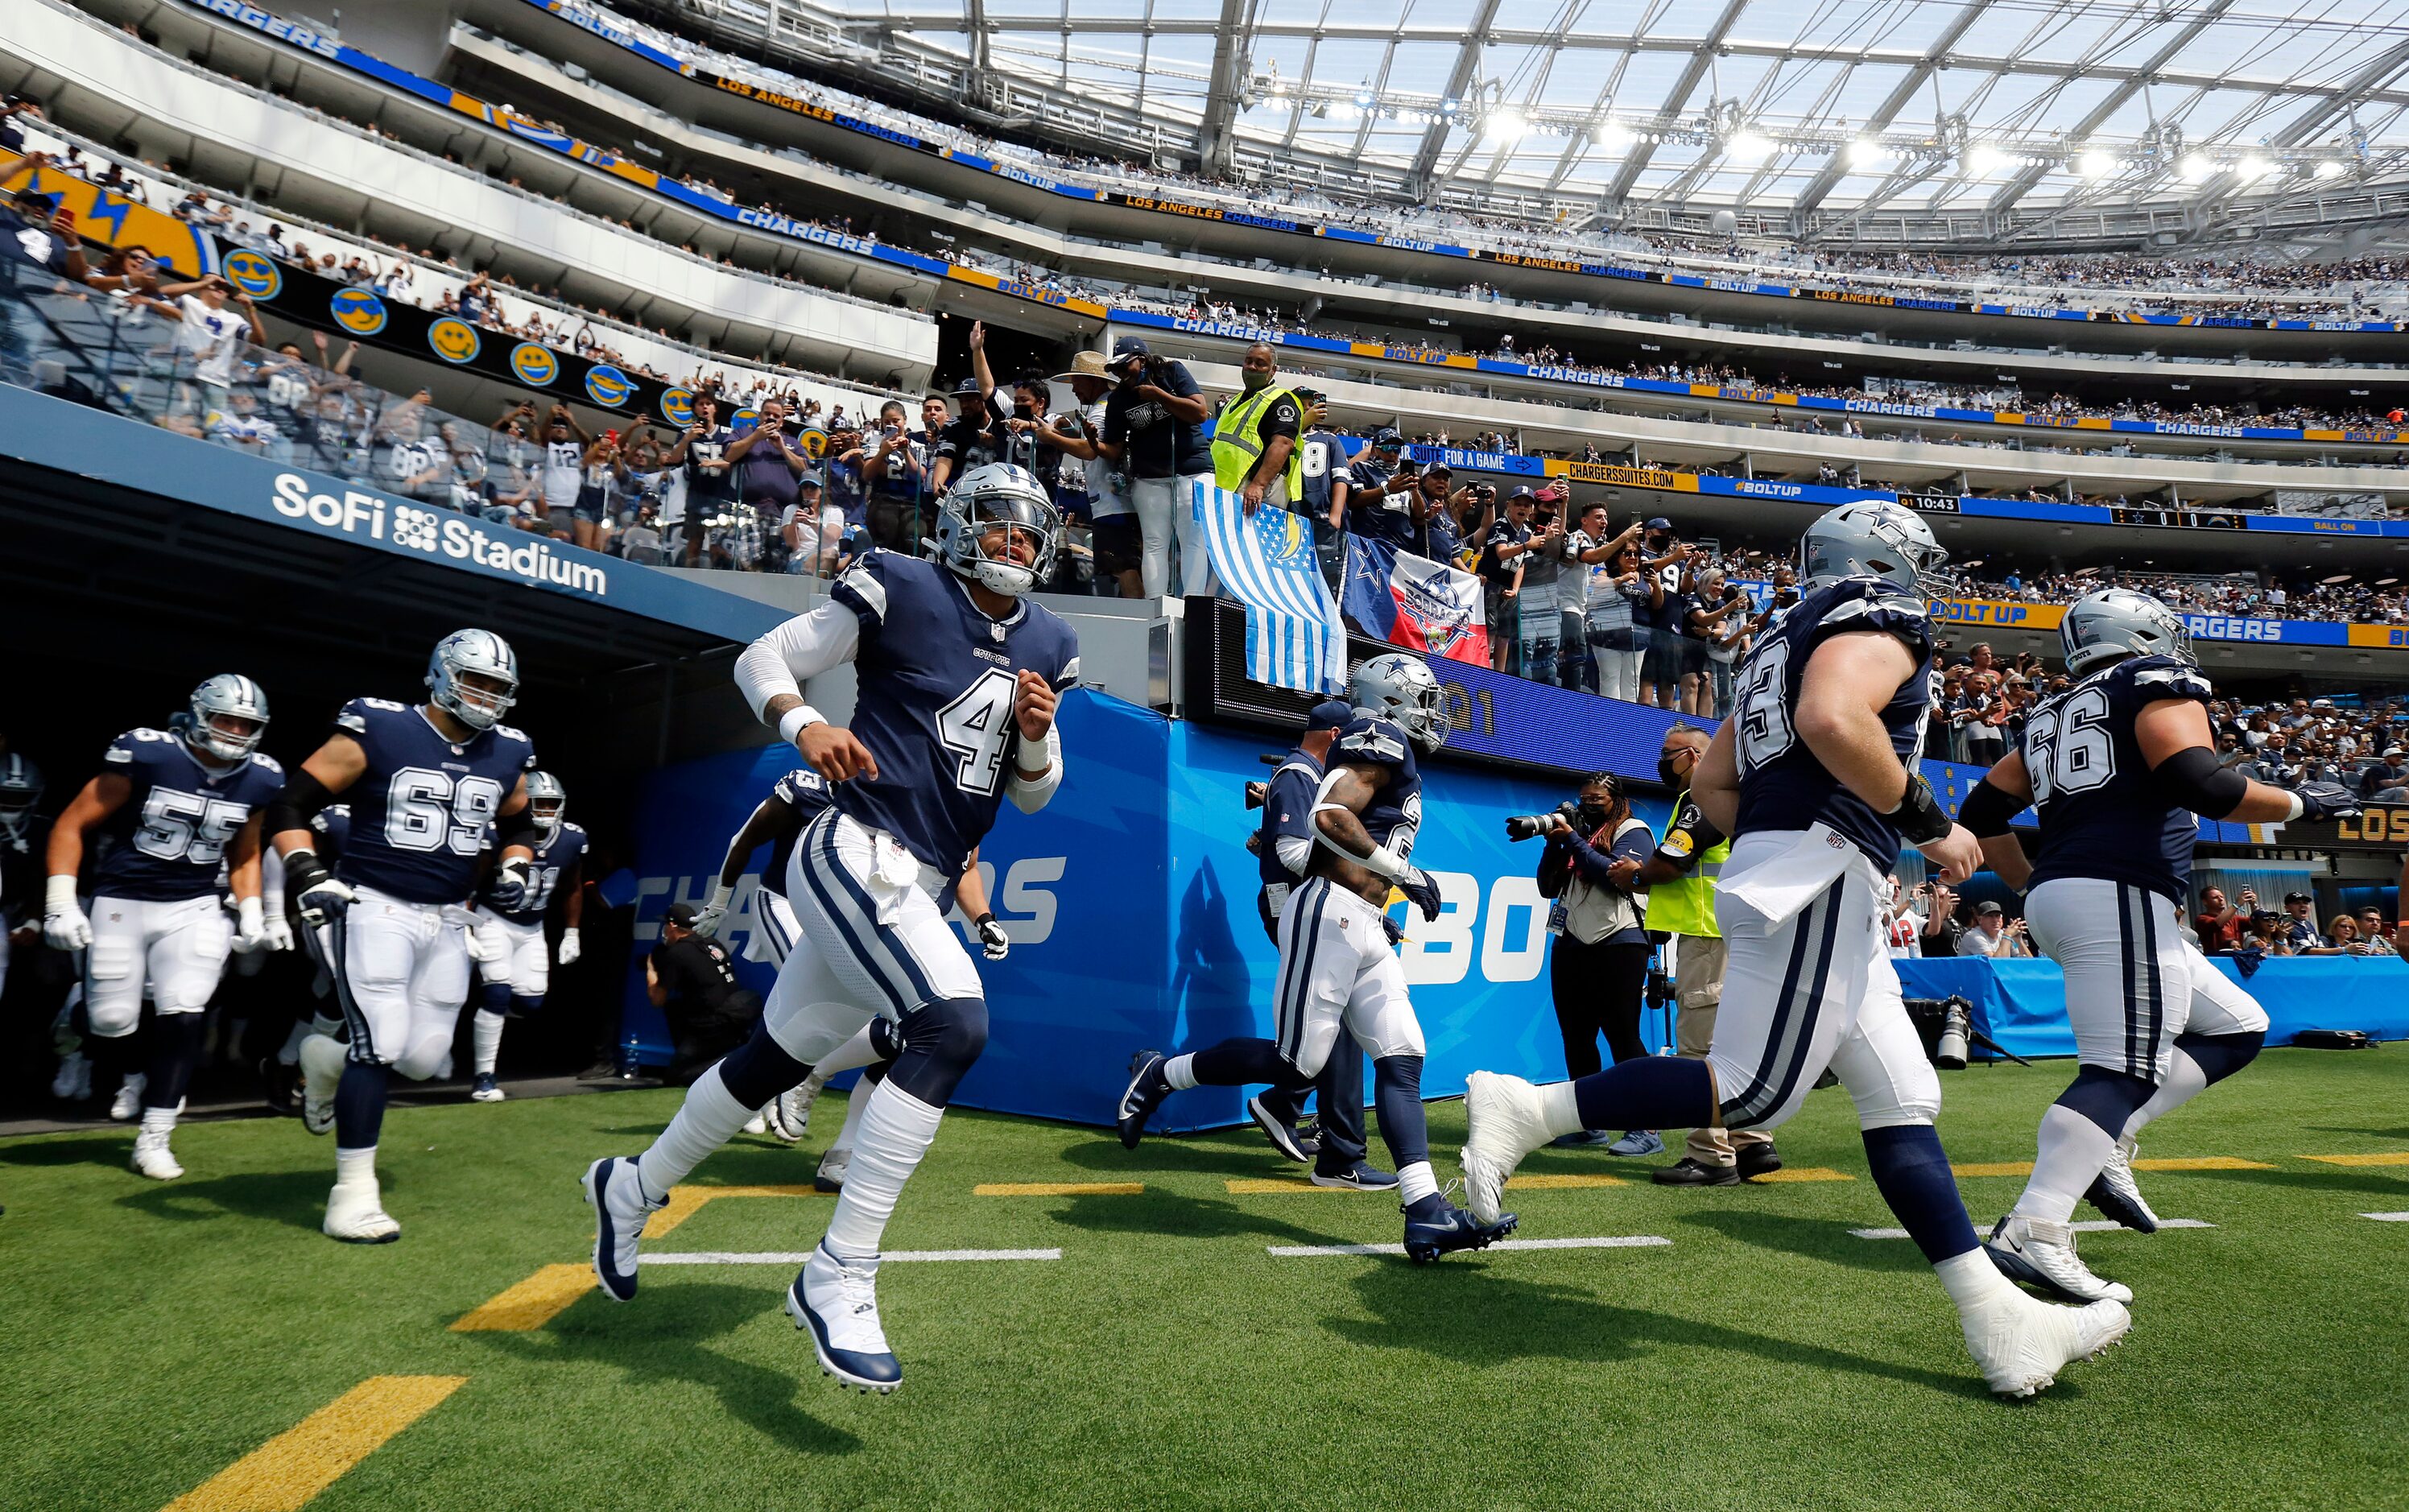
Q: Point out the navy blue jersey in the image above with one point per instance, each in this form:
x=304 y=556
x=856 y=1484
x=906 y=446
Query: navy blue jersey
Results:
x=936 y=682
x=1321 y=460
x=2102 y=813
x=1782 y=784
x=167 y=841
x=1288 y=814
x=24 y=868
x=419 y=811
x=806 y=792
x=333 y=827
x=1394 y=815
x=561 y=850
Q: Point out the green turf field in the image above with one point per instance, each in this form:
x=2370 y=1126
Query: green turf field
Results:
x=156 y=1334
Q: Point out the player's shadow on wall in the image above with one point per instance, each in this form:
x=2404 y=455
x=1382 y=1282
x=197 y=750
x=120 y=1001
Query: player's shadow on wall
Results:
x=667 y=1341
x=1468 y=1313
x=1212 y=988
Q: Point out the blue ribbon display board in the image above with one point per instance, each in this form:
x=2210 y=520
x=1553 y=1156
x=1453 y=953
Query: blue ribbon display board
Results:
x=2022 y=1004
x=1131 y=900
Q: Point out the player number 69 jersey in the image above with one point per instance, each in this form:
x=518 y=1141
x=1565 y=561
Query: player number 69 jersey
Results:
x=2102 y=812
x=1782 y=784
x=420 y=811
x=169 y=836
x=1394 y=816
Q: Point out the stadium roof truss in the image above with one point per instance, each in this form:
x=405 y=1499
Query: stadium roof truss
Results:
x=1970 y=118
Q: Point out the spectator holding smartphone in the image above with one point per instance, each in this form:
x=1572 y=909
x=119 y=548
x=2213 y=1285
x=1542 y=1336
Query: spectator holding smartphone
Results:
x=767 y=466
x=1154 y=432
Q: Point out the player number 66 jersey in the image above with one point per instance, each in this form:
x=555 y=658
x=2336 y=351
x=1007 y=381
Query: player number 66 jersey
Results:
x=420 y=811
x=2102 y=812
x=168 y=839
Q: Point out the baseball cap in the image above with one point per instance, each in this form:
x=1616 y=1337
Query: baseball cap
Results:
x=809 y=479
x=1988 y=908
x=681 y=915
x=2298 y=898
x=1387 y=437
x=966 y=388
x=1521 y=493
x=1660 y=523
x=29 y=197
x=1128 y=346
x=1330 y=714
x=1438 y=469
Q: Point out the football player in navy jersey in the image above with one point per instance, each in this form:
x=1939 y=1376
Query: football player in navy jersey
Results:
x=513 y=958
x=2116 y=767
x=22 y=838
x=424 y=780
x=177 y=805
x=1338 y=965
x=1814 y=778
x=957 y=676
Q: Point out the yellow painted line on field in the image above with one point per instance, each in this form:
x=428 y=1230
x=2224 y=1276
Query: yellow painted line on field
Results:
x=284 y=1472
x=1995 y=1168
x=529 y=1304
x=1548 y=1183
x=1058 y=1188
x=2383 y=1158
x=1258 y=1187
x=1805 y=1173
x=685 y=1202
x=2201 y=1162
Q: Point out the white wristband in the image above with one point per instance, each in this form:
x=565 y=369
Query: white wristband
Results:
x=2300 y=806
x=798 y=719
x=1384 y=862
x=59 y=893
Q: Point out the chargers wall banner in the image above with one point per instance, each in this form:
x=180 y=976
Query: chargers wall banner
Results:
x=1412 y=601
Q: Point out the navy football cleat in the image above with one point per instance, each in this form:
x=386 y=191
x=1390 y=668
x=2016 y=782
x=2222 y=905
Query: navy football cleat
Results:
x=2118 y=1196
x=1146 y=1090
x=1362 y=1176
x=1280 y=1131
x=1454 y=1229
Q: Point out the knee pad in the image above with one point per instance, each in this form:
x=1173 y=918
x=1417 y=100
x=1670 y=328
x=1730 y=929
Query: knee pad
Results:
x=1911 y=1095
x=2106 y=1098
x=2219 y=1055
x=429 y=1055
x=495 y=997
x=941 y=1041
x=526 y=1006
x=759 y=1069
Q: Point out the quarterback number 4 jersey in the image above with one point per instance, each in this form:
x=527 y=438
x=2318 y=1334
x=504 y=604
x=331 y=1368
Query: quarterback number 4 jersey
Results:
x=1782 y=784
x=937 y=681
x=420 y=810
x=168 y=838
x=2102 y=812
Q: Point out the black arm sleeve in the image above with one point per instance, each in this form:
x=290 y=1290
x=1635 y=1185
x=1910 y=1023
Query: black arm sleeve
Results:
x=298 y=804
x=527 y=834
x=2193 y=778
x=1987 y=810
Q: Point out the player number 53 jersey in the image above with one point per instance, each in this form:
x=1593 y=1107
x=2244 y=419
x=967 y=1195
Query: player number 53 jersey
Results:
x=2102 y=812
x=1394 y=816
x=420 y=811
x=1782 y=784
x=168 y=838
x=937 y=681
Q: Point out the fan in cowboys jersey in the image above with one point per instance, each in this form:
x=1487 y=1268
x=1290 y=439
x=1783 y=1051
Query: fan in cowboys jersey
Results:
x=513 y=958
x=424 y=781
x=1339 y=968
x=2116 y=767
x=177 y=805
x=957 y=675
x=1814 y=778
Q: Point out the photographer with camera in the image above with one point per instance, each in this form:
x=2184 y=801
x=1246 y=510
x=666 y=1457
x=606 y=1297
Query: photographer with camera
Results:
x=1283 y=846
x=1154 y=434
x=1600 y=960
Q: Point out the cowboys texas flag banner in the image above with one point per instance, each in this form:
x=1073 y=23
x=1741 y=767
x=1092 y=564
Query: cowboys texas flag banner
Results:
x=1410 y=601
x=1295 y=639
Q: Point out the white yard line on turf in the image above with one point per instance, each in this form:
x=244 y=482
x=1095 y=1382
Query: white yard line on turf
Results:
x=2087 y=1226
x=2388 y=1217
x=1615 y=1241
x=758 y=1257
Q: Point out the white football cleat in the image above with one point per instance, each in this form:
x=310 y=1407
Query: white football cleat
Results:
x=127 y=1105
x=2118 y=1196
x=152 y=1158
x=1507 y=1123
x=355 y=1214
x=73 y=1083
x=616 y=1190
x=758 y=1123
x=830 y=1175
x=2042 y=1254
x=2021 y=1343
x=836 y=1302
x=317 y=1113
x=789 y=1113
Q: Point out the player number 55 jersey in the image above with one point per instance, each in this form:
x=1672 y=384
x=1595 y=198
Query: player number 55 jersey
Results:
x=2102 y=812
x=168 y=838
x=420 y=811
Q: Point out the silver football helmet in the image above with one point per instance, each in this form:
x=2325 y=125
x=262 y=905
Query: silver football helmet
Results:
x=547 y=800
x=227 y=697
x=1873 y=537
x=1002 y=498
x=20 y=788
x=1401 y=690
x=2110 y=622
x=484 y=654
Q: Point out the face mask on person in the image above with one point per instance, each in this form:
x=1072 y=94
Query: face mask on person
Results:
x=1668 y=769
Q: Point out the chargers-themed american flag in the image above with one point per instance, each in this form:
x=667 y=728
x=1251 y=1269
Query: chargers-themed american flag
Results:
x=1411 y=602
x=1295 y=639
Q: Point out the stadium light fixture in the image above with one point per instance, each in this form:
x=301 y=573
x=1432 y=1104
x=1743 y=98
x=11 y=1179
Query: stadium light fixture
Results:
x=1507 y=126
x=1986 y=162
x=2330 y=170
x=1864 y=151
x=1363 y=99
x=2097 y=164
x=1748 y=147
x=2254 y=168
x=2196 y=168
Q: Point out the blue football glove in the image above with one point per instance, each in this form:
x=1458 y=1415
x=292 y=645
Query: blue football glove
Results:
x=1419 y=891
x=509 y=888
x=2327 y=800
x=1395 y=932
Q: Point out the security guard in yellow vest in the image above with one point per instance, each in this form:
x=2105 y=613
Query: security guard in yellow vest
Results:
x=1680 y=882
x=1255 y=436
